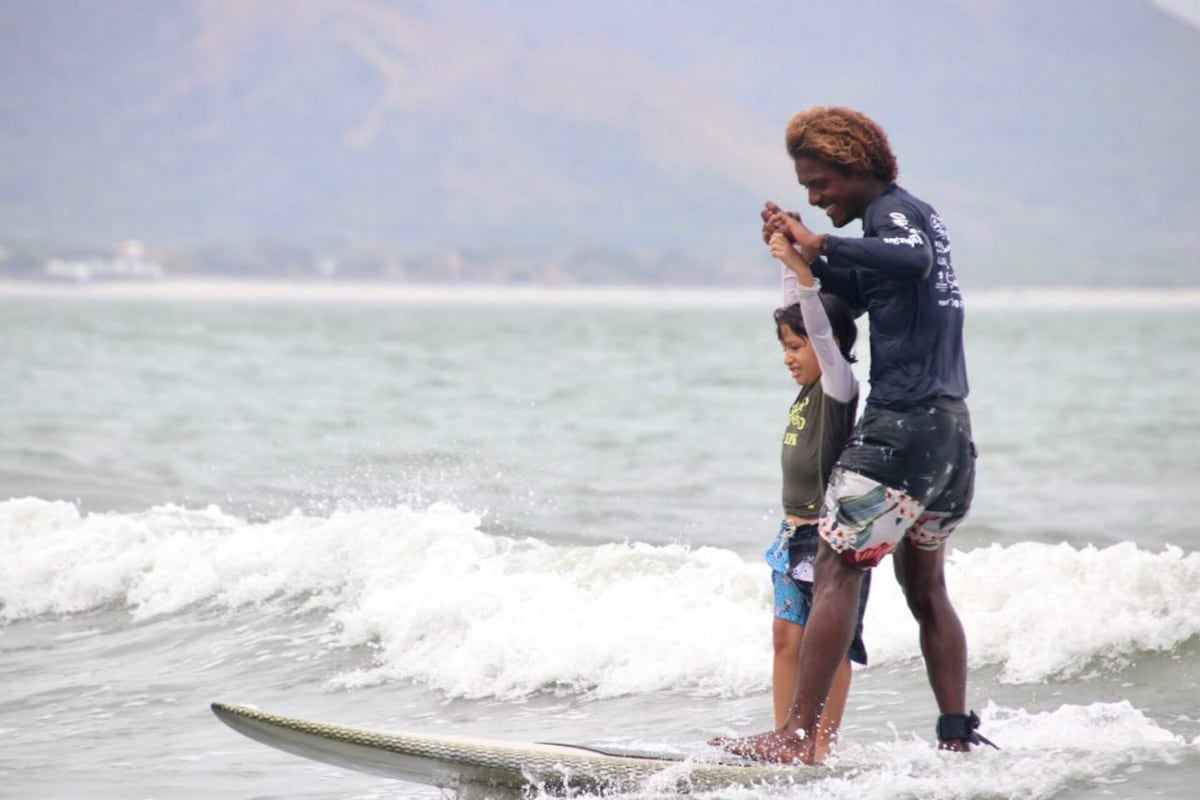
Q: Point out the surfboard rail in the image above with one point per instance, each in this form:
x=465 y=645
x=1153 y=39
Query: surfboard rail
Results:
x=459 y=762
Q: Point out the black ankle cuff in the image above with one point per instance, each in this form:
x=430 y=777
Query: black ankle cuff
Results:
x=957 y=727
x=960 y=727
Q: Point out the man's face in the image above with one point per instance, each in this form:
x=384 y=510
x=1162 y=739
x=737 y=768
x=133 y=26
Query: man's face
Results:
x=842 y=197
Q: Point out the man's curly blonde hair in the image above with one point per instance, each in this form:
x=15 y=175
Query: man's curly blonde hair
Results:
x=843 y=138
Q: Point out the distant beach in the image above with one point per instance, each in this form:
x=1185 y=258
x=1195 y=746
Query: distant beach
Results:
x=235 y=291
x=380 y=293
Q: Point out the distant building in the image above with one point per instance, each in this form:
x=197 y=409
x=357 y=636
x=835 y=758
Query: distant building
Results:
x=130 y=264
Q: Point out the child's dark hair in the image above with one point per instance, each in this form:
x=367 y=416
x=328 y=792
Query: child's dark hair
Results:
x=841 y=319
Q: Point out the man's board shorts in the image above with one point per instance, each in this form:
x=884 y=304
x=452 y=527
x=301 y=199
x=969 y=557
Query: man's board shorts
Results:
x=791 y=558
x=905 y=474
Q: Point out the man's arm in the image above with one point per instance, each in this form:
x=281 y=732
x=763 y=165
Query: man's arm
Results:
x=840 y=282
x=898 y=248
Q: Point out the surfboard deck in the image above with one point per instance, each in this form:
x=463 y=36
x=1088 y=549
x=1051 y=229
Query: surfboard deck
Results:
x=456 y=762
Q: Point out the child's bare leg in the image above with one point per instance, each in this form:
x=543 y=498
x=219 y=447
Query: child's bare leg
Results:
x=786 y=637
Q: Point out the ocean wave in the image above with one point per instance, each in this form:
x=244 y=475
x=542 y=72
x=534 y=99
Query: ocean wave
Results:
x=474 y=615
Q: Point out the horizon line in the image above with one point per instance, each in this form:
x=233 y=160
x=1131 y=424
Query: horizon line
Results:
x=628 y=295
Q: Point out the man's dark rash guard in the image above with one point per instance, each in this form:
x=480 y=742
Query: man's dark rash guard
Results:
x=900 y=272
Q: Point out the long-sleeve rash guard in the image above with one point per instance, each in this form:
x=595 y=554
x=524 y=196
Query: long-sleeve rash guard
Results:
x=900 y=273
x=820 y=419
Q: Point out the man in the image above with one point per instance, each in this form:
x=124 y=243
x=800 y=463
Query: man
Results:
x=905 y=480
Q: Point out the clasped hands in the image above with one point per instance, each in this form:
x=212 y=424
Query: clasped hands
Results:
x=776 y=220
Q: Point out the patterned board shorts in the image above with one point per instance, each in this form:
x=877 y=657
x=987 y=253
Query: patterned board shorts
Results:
x=905 y=474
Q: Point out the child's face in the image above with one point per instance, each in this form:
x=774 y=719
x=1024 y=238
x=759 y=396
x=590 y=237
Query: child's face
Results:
x=799 y=357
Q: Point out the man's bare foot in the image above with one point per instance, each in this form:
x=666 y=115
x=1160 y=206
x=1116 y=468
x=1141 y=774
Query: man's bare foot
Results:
x=954 y=745
x=777 y=746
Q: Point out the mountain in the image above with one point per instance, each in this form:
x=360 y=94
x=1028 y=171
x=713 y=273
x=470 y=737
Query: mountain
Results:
x=1054 y=138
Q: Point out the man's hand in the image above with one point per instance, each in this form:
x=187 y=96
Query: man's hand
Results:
x=774 y=221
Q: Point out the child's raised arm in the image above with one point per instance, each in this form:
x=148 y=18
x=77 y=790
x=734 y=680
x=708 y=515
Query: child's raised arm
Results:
x=782 y=249
x=837 y=377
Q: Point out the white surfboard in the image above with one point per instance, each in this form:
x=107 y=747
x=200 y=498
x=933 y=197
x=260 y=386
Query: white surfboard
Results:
x=464 y=763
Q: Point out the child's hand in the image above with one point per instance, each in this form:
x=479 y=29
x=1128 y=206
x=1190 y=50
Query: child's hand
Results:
x=781 y=247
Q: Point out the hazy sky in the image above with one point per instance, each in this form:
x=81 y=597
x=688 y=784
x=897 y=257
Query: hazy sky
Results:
x=1184 y=9
x=614 y=125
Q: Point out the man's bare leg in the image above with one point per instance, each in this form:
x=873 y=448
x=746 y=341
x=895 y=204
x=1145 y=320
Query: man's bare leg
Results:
x=827 y=638
x=832 y=712
x=921 y=574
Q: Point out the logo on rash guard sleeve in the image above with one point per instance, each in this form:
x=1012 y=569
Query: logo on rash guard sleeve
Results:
x=946 y=283
x=914 y=238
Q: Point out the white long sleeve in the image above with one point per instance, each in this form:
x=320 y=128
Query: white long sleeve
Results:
x=791 y=286
x=837 y=376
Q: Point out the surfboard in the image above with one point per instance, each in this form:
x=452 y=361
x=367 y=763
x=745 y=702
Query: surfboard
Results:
x=463 y=763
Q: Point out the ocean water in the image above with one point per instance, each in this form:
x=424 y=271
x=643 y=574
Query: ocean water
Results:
x=541 y=517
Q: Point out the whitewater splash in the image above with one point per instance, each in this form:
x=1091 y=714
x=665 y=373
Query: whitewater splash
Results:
x=1045 y=754
x=475 y=615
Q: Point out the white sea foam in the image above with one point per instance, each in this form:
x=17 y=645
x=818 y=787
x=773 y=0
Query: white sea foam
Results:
x=1042 y=610
x=1043 y=755
x=476 y=615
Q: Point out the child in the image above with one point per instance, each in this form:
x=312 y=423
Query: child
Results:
x=817 y=334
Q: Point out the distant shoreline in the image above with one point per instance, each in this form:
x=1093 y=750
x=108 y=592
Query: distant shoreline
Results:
x=346 y=292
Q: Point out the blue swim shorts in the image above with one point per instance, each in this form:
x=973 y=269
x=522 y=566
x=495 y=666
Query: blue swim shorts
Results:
x=793 y=597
